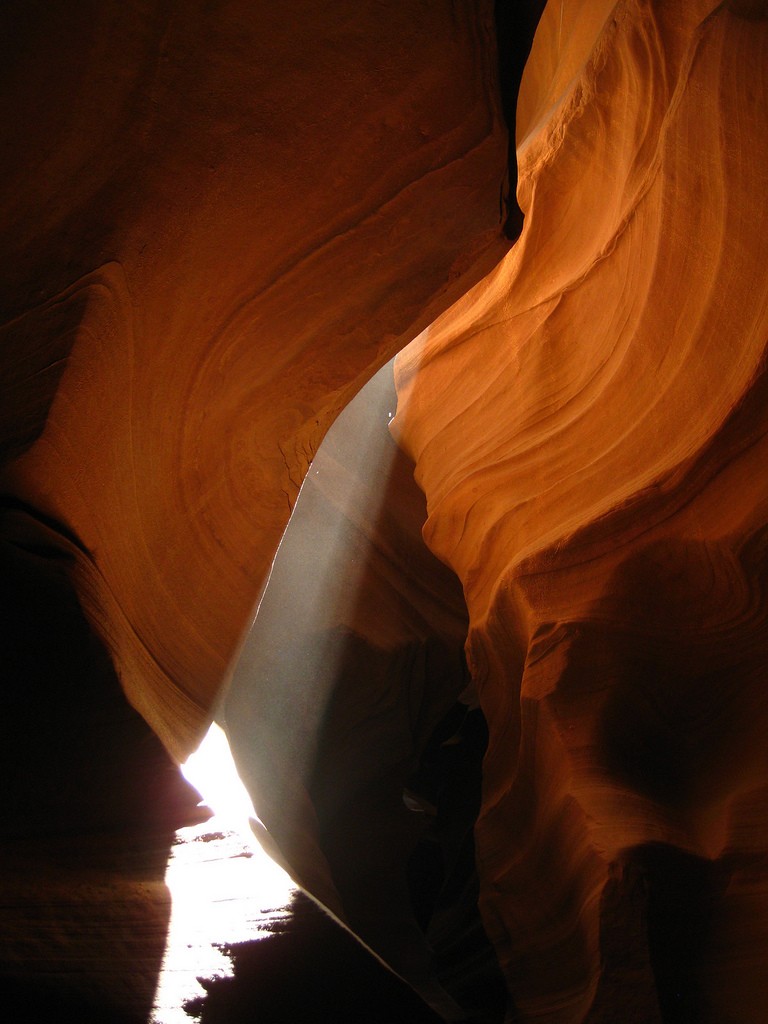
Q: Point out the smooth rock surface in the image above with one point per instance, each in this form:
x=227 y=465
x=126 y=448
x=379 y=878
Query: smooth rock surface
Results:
x=218 y=222
x=598 y=482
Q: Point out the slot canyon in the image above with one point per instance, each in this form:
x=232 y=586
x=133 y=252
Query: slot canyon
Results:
x=388 y=382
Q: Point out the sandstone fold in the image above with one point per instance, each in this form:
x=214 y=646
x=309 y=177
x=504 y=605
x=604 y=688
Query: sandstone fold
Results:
x=598 y=483
x=219 y=221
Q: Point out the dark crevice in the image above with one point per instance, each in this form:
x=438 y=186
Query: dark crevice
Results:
x=656 y=917
x=516 y=24
x=75 y=757
x=9 y=503
x=442 y=875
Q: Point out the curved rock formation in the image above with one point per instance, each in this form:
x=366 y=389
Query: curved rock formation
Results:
x=219 y=221
x=598 y=482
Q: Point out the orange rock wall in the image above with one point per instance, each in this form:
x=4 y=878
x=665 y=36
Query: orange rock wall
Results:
x=598 y=482
x=220 y=220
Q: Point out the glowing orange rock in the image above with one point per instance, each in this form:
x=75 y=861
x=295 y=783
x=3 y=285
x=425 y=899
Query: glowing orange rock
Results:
x=598 y=482
x=220 y=221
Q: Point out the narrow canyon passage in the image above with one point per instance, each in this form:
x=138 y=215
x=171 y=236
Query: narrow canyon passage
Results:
x=353 y=721
x=218 y=221
x=244 y=944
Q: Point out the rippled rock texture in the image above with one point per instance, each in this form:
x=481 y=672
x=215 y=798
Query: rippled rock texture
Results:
x=218 y=222
x=598 y=482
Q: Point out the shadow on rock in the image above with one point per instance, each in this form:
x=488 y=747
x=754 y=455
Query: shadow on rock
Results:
x=309 y=969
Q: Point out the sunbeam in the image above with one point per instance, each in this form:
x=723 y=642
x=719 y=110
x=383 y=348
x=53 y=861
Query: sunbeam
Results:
x=224 y=888
x=212 y=772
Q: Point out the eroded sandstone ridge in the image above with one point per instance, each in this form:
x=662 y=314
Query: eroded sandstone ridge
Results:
x=219 y=221
x=599 y=482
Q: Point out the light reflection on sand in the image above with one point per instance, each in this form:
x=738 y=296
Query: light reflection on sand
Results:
x=224 y=888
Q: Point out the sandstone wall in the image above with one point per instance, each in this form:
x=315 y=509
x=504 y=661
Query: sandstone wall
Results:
x=219 y=221
x=217 y=224
x=598 y=482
